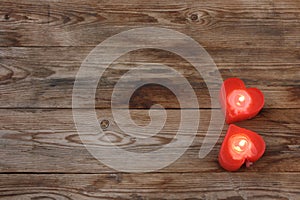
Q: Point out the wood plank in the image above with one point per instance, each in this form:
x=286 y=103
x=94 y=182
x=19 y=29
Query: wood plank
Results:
x=46 y=141
x=42 y=45
x=52 y=71
x=151 y=186
x=211 y=23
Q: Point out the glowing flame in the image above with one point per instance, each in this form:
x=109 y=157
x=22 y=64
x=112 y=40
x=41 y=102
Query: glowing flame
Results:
x=240 y=145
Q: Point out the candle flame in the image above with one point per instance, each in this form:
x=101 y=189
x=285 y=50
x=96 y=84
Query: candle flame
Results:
x=240 y=146
x=242 y=98
x=239 y=100
x=242 y=143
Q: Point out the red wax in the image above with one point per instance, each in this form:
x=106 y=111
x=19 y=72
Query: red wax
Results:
x=238 y=102
x=239 y=146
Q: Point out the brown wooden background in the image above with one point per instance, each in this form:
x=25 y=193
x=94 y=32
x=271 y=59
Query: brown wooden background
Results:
x=42 y=44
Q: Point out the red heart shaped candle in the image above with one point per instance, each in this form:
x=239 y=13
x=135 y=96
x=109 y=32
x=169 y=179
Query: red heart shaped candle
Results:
x=238 y=102
x=239 y=146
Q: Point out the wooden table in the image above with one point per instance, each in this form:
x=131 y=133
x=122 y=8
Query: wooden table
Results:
x=43 y=44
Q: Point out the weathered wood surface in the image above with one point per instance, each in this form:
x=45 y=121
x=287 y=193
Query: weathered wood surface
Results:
x=42 y=45
x=237 y=24
x=165 y=185
x=42 y=140
x=52 y=71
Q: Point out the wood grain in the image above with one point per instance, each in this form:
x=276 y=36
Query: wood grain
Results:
x=52 y=71
x=213 y=24
x=150 y=186
x=42 y=45
x=49 y=137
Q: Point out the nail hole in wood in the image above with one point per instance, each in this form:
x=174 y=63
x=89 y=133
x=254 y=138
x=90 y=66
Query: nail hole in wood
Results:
x=6 y=16
x=194 y=17
x=104 y=124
